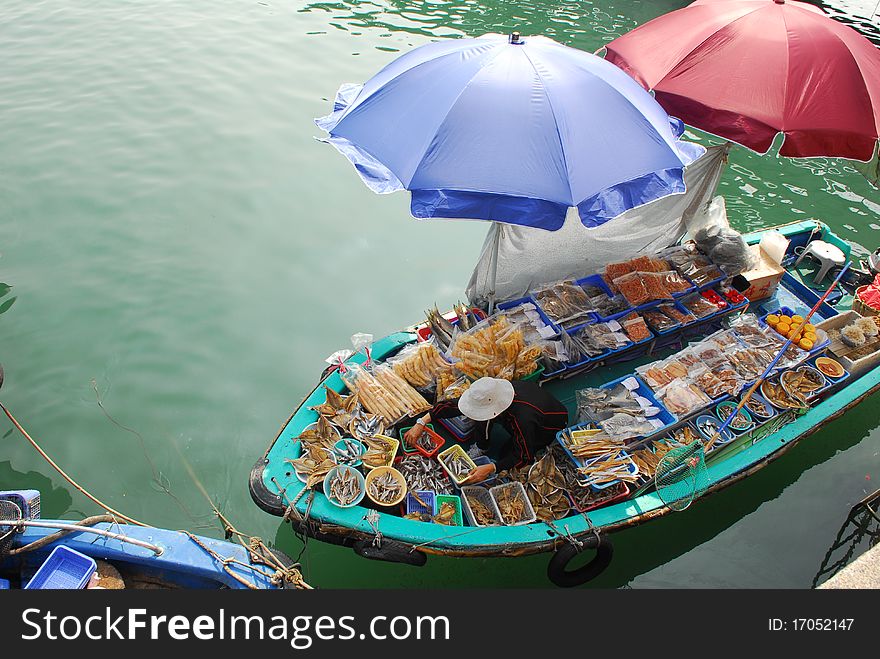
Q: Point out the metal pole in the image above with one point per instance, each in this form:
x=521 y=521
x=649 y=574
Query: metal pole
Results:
x=86 y=529
x=493 y=265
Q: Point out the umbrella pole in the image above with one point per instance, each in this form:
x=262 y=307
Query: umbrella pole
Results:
x=493 y=265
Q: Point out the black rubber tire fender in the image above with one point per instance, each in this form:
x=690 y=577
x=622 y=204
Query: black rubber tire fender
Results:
x=390 y=551
x=556 y=568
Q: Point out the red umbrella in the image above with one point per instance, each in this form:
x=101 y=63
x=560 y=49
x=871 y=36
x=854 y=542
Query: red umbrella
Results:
x=749 y=69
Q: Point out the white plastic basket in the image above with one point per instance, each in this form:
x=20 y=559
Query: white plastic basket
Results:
x=482 y=495
x=528 y=515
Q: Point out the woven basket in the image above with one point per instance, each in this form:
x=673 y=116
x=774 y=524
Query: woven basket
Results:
x=861 y=307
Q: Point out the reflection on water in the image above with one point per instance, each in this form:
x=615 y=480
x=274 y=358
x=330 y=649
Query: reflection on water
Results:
x=583 y=24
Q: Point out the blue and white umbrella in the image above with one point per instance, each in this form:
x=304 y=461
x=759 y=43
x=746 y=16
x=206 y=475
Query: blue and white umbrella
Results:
x=511 y=130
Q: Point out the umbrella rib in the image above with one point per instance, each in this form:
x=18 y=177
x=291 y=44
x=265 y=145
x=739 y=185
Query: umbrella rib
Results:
x=571 y=199
x=864 y=82
x=690 y=52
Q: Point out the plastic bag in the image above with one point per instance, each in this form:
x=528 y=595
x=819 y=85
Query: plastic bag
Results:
x=681 y=398
x=698 y=305
x=676 y=314
x=641 y=287
x=450 y=387
x=724 y=246
x=635 y=328
x=418 y=364
x=607 y=306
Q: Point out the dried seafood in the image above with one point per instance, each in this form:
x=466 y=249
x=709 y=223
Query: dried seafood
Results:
x=345 y=487
x=446 y=514
x=385 y=488
x=511 y=502
x=420 y=473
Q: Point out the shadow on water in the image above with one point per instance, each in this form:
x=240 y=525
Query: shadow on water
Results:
x=859 y=532
x=637 y=550
x=54 y=501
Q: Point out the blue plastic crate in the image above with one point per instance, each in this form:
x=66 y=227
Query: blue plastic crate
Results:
x=4 y=584
x=65 y=569
x=413 y=506
x=510 y=304
x=598 y=282
x=644 y=391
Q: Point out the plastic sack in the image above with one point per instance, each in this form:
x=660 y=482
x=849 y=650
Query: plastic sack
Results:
x=698 y=305
x=724 y=246
x=419 y=364
x=676 y=314
x=659 y=321
x=450 y=387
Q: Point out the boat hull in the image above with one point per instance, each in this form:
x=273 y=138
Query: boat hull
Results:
x=186 y=561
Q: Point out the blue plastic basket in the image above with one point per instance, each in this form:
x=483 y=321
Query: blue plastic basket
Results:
x=413 y=506
x=599 y=282
x=4 y=584
x=645 y=391
x=510 y=304
x=65 y=569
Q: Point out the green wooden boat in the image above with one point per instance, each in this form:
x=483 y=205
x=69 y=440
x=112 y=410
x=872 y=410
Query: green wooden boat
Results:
x=273 y=485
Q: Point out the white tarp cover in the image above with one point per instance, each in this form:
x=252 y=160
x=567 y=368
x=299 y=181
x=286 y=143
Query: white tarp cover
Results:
x=529 y=257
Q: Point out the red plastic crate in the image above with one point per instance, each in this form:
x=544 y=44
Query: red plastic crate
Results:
x=438 y=444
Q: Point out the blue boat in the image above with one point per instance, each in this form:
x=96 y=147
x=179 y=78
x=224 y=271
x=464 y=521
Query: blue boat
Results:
x=129 y=556
x=276 y=489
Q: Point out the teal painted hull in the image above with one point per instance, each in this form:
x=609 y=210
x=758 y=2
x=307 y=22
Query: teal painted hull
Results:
x=272 y=476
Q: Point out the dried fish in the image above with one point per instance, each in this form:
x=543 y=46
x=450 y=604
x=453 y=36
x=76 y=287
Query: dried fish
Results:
x=802 y=382
x=458 y=466
x=421 y=473
x=511 y=503
x=345 y=487
x=364 y=426
x=385 y=488
x=351 y=453
x=483 y=514
x=446 y=514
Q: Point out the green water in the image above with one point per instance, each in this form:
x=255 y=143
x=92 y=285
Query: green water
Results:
x=174 y=233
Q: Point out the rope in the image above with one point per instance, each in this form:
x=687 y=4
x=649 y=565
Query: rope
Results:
x=282 y=574
x=372 y=518
x=70 y=480
x=158 y=477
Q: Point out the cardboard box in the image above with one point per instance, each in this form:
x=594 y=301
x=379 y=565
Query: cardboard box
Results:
x=764 y=277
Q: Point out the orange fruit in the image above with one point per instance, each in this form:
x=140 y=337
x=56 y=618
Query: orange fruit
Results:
x=785 y=319
x=805 y=344
x=783 y=328
x=811 y=336
x=797 y=319
x=772 y=320
x=809 y=327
